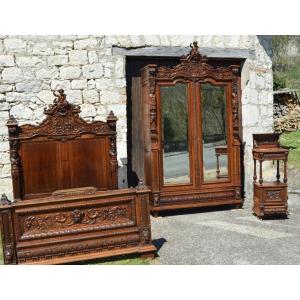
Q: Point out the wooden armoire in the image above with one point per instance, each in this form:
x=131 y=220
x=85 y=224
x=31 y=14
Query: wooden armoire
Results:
x=190 y=131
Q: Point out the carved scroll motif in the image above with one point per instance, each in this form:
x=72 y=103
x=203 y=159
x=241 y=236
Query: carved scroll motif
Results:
x=145 y=235
x=153 y=106
x=97 y=245
x=272 y=195
x=62 y=122
x=77 y=216
x=198 y=197
x=111 y=120
x=14 y=132
x=194 y=65
x=235 y=100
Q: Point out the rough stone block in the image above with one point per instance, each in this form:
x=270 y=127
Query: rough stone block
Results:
x=4 y=115
x=90 y=96
x=12 y=75
x=60 y=84
x=92 y=71
x=175 y=40
x=5 y=171
x=119 y=67
x=4 y=146
x=42 y=48
x=260 y=82
x=78 y=57
x=4 y=106
x=7 y=61
x=165 y=41
x=93 y=57
x=104 y=84
x=250 y=115
x=102 y=112
x=137 y=40
x=31 y=86
x=107 y=97
x=87 y=110
x=57 y=60
x=62 y=45
x=47 y=73
x=79 y=84
x=70 y=72
x=38 y=114
x=14 y=45
x=152 y=40
x=46 y=96
x=27 y=61
x=21 y=111
x=120 y=83
x=91 y=84
x=110 y=40
x=5 y=88
x=124 y=41
x=118 y=109
x=74 y=96
x=4 y=157
x=90 y=43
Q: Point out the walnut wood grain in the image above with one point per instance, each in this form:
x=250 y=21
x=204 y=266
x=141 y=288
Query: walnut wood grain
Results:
x=194 y=69
x=67 y=207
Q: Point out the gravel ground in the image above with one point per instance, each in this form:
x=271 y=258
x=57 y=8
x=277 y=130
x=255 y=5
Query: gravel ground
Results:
x=233 y=236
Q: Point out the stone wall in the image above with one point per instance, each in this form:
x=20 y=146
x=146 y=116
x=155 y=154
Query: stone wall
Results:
x=32 y=66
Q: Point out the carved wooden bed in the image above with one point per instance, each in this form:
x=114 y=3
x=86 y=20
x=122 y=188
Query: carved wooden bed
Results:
x=66 y=204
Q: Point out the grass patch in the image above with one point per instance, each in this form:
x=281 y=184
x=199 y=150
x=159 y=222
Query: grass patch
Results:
x=291 y=140
x=120 y=261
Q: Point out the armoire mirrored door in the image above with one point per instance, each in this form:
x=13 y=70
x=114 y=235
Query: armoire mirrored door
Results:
x=200 y=153
x=176 y=142
x=191 y=133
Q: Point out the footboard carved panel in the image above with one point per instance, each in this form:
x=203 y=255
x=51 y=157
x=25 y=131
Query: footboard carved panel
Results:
x=75 y=227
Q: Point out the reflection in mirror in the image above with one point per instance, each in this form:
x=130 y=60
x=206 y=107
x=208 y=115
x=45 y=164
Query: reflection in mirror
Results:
x=213 y=107
x=174 y=114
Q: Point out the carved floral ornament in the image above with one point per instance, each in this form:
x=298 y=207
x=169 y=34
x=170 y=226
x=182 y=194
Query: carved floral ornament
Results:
x=196 y=65
x=62 y=122
x=76 y=216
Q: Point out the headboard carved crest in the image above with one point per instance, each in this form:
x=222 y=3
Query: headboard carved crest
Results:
x=62 y=122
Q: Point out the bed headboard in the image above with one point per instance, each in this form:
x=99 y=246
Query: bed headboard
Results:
x=63 y=152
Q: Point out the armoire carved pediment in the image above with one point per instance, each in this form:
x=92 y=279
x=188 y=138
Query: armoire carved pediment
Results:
x=196 y=66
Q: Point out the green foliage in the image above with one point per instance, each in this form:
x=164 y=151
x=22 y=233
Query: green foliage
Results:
x=294 y=158
x=286 y=68
x=119 y=260
x=291 y=140
x=279 y=81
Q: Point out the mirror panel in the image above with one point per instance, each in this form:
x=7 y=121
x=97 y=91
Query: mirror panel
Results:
x=214 y=132
x=175 y=146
